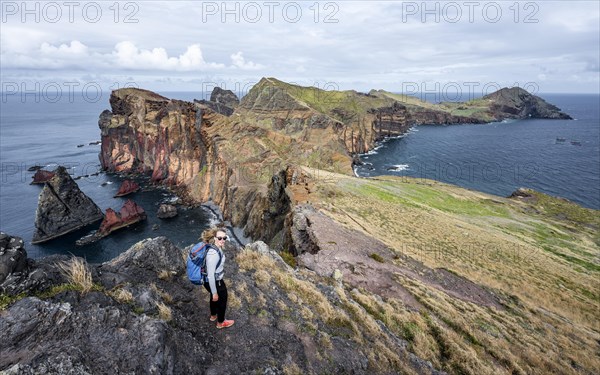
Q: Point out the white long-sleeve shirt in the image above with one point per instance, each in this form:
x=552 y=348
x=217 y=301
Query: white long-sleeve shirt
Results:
x=214 y=273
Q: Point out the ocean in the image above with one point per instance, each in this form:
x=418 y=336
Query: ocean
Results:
x=557 y=157
x=40 y=130
x=496 y=158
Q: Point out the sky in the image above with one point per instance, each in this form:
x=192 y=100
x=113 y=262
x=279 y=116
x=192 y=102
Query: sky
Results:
x=464 y=47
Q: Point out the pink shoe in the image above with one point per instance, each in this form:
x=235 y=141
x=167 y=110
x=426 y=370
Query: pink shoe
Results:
x=225 y=324
x=213 y=318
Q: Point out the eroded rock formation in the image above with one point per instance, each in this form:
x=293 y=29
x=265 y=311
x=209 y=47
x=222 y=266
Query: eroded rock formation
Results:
x=127 y=187
x=166 y=211
x=41 y=176
x=221 y=101
x=129 y=214
x=63 y=208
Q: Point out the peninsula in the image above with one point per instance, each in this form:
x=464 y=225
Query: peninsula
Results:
x=346 y=275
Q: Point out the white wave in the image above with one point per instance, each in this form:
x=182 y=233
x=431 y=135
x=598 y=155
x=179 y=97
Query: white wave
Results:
x=398 y=167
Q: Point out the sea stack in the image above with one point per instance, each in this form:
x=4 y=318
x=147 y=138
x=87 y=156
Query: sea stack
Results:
x=129 y=214
x=63 y=208
x=127 y=187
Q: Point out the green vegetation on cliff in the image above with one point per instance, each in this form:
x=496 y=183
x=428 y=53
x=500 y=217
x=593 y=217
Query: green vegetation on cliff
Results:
x=539 y=256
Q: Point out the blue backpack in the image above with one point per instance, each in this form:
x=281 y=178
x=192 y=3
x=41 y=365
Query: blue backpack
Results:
x=196 y=263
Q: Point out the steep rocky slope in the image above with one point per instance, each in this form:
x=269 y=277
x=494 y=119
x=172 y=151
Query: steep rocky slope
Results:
x=395 y=276
x=473 y=283
x=141 y=315
x=242 y=161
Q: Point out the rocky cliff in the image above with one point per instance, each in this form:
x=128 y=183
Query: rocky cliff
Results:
x=141 y=315
x=244 y=161
x=517 y=103
x=394 y=276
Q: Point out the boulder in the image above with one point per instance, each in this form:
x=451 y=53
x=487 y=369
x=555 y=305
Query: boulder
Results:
x=13 y=257
x=63 y=208
x=166 y=211
x=226 y=97
x=127 y=187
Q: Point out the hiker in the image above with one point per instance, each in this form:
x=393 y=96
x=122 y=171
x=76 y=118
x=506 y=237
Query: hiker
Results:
x=215 y=260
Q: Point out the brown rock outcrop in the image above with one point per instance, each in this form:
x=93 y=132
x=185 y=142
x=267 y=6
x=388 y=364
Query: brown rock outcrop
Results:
x=127 y=187
x=129 y=214
x=41 y=176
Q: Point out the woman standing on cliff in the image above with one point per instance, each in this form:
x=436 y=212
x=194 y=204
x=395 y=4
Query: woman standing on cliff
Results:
x=215 y=261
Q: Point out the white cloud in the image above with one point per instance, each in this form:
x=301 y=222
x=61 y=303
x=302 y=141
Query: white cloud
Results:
x=128 y=55
x=386 y=51
x=76 y=48
x=238 y=61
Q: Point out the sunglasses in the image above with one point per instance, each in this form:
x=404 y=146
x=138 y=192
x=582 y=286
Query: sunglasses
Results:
x=221 y=238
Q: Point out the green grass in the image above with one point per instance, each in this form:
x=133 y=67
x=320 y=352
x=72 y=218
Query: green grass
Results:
x=574 y=260
x=325 y=101
x=377 y=258
x=422 y=196
x=409 y=330
x=6 y=300
x=288 y=258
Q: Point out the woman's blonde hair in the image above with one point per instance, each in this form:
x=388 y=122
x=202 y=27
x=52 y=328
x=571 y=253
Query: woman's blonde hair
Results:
x=208 y=235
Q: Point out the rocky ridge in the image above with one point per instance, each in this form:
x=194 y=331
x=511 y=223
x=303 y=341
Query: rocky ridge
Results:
x=143 y=316
x=244 y=162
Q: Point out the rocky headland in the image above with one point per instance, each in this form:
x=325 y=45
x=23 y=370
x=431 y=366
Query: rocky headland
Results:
x=63 y=208
x=381 y=275
x=245 y=162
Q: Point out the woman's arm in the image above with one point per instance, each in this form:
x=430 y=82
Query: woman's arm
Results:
x=212 y=259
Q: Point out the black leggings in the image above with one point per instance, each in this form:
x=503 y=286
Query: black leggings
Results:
x=218 y=308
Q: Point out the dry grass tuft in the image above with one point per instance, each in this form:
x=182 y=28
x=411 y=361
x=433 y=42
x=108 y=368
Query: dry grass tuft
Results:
x=164 y=312
x=123 y=296
x=77 y=272
x=233 y=300
x=164 y=275
x=262 y=278
x=250 y=260
x=292 y=369
x=164 y=295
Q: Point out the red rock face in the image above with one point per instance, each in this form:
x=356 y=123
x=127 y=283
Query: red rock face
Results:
x=147 y=133
x=111 y=219
x=127 y=187
x=42 y=176
x=130 y=213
